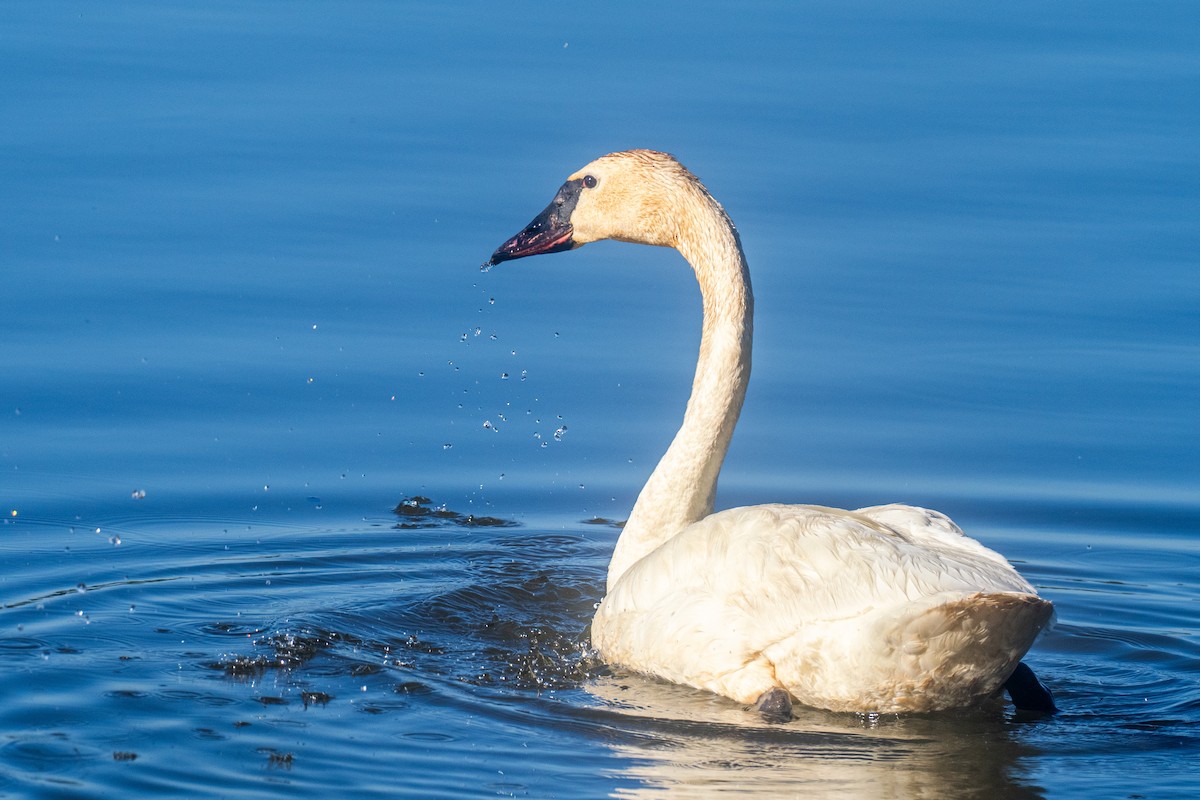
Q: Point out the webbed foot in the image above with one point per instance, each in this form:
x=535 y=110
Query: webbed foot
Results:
x=775 y=705
x=1027 y=692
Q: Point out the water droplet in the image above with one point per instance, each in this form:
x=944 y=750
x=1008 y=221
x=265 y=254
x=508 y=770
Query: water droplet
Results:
x=81 y=587
x=487 y=423
x=486 y=266
x=491 y=301
x=560 y=432
x=478 y=331
x=447 y=445
x=492 y=336
x=503 y=376
x=462 y=338
x=138 y=494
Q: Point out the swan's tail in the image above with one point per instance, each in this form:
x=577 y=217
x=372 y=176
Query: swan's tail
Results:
x=953 y=653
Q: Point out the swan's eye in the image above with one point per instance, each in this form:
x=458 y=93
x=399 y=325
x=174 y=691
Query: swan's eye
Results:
x=589 y=181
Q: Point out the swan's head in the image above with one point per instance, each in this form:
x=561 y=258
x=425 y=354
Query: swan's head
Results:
x=633 y=196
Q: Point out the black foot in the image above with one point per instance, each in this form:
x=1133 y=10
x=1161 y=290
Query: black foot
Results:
x=775 y=705
x=1027 y=692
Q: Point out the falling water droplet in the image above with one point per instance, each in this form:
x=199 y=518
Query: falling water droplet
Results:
x=560 y=432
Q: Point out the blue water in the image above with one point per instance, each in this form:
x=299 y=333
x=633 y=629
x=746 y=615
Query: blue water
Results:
x=243 y=319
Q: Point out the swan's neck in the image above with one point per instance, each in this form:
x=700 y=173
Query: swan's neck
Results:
x=682 y=488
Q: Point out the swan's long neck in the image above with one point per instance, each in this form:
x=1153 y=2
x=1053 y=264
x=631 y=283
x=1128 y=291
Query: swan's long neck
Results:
x=682 y=488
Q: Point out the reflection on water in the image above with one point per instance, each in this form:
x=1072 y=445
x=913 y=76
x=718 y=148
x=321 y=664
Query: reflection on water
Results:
x=704 y=747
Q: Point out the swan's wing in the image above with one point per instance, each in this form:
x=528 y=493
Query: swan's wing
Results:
x=745 y=593
x=767 y=571
x=836 y=562
x=939 y=532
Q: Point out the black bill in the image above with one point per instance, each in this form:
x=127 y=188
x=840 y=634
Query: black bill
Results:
x=550 y=231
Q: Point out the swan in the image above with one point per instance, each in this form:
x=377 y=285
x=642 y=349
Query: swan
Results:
x=884 y=609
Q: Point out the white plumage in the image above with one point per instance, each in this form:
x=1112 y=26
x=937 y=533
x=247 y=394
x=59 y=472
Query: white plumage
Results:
x=883 y=609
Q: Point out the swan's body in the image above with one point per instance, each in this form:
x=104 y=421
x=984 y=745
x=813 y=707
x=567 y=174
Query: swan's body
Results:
x=882 y=609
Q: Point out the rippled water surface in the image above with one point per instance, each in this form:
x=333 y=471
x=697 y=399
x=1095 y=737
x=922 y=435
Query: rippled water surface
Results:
x=243 y=320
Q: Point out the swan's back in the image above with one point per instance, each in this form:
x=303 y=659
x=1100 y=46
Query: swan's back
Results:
x=883 y=609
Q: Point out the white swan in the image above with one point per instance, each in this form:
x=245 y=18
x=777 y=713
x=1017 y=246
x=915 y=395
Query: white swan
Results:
x=882 y=609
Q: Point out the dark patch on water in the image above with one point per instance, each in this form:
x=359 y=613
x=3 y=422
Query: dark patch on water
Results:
x=418 y=512
x=605 y=522
x=315 y=698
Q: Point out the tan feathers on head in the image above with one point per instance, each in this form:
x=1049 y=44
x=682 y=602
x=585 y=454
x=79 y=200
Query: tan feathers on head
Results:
x=640 y=196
